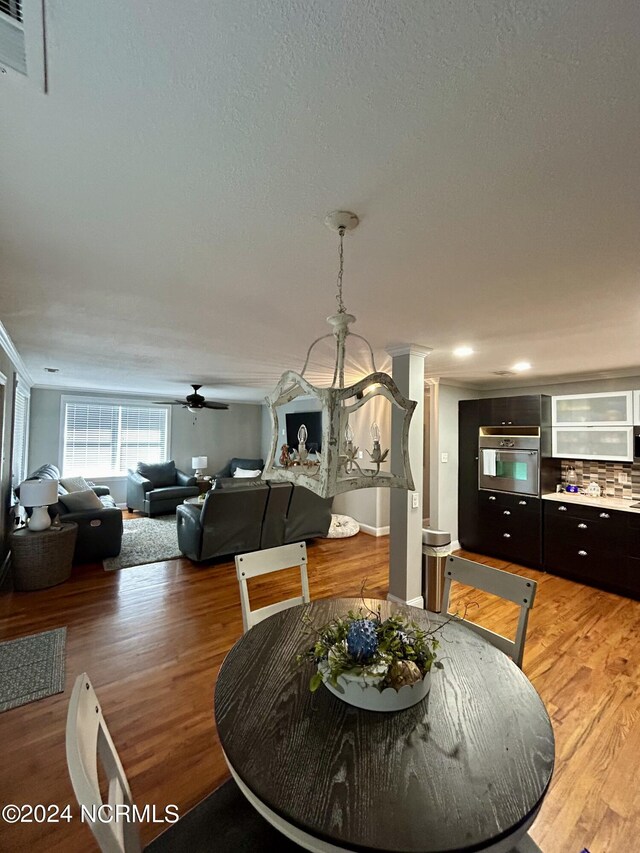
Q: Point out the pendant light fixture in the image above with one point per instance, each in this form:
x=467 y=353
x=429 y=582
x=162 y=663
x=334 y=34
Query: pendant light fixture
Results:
x=338 y=463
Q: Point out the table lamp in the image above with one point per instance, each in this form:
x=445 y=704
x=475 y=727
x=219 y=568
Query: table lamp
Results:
x=39 y=494
x=199 y=463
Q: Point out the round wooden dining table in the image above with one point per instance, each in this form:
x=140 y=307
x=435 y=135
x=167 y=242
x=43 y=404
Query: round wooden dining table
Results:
x=466 y=769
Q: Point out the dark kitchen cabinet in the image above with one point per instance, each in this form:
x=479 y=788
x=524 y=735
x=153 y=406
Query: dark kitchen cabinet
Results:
x=523 y=410
x=593 y=545
x=468 y=426
x=510 y=527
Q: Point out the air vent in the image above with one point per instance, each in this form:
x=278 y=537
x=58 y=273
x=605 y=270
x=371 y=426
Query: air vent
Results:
x=503 y=373
x=12 y=50
x=22 y=42
x=12 y=8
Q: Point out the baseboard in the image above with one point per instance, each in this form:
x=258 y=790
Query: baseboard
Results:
x=455 y=545
x=374 y=531
x=413 y=602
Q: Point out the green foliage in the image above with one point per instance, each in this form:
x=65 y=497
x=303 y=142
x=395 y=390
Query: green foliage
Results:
x=399 y=638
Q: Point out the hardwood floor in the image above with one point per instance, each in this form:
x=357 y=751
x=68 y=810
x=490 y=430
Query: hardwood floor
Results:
x=152 y=639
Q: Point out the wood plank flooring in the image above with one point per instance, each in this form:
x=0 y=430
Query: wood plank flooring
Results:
x=152 y=639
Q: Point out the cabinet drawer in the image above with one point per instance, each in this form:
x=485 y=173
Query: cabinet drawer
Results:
x=507 y=536
x=581 y=562
x=566 y=509
x=501 y=501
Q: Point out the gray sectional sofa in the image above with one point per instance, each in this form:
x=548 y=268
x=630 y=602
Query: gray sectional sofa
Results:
x=240 y=515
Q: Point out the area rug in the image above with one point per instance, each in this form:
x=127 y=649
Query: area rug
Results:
x=146 y=540
x=31 y=668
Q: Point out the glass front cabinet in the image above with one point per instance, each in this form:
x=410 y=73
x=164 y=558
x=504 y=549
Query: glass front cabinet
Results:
x=612 y=408
x=609 y=444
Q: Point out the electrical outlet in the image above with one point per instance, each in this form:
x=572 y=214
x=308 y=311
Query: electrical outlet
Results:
x=444 y=457
x=415 y=500
x=623 y=478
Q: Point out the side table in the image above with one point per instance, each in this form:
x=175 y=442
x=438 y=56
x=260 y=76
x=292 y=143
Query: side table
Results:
x=203 y=485
x=42 y=558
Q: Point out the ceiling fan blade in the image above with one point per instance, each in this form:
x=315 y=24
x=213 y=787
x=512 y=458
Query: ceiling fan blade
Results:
x=168 y=402
x=211 y=405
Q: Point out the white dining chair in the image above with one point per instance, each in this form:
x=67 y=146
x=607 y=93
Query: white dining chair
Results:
x=264 y=562
x=224 y=820
x=520 y=590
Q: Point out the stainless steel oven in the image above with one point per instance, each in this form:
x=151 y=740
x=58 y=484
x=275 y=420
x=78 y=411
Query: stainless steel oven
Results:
x=509 y=463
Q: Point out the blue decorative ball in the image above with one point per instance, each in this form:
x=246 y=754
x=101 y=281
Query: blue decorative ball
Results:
x=362 y=640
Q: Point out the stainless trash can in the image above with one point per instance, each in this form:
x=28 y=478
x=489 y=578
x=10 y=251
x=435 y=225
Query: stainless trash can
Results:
x=436 y=547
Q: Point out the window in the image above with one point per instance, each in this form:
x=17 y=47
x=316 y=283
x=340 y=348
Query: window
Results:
x=104 y=438
x=20 y=431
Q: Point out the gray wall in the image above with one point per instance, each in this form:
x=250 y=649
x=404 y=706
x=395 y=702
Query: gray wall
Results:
x=219 y=435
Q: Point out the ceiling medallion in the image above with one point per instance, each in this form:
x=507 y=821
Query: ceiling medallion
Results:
x=332 y=461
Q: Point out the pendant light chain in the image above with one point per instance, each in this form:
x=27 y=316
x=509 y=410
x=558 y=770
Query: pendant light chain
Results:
x=341 y=308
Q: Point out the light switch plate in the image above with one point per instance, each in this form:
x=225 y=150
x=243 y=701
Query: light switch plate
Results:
x=444 y=457
x=415 y=500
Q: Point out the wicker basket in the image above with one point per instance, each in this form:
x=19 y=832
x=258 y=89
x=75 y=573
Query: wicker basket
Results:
x=42 y=558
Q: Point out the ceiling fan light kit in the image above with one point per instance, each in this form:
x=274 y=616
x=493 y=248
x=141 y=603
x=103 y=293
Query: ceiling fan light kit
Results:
x=340 y=466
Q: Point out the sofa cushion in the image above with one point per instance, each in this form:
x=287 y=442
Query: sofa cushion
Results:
x=78 y=501
x=247 y=464
x=171 y=492
x=75 y=484
x=160 y=474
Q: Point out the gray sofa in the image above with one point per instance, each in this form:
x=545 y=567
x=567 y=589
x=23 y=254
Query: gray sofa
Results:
x=99 y=530
x=247 y=515
x=158 y=488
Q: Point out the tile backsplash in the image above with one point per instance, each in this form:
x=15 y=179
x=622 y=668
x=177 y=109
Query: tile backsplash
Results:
x=606 y=475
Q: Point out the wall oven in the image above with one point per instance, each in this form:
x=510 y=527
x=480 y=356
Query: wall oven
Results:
x=509 y=463
x=636 y=444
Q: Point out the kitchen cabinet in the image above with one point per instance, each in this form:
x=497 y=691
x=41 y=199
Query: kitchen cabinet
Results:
x=593 y=545
x=609 y=444
x=636 y=408
x=468 y=427
x=613 y=408
x=523 y=410
x=509 y=526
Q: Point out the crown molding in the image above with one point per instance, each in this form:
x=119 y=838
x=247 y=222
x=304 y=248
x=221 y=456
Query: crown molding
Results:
x=9 y=347
x=408 y=349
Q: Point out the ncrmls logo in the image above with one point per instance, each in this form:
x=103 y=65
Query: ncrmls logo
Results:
x=123 y=813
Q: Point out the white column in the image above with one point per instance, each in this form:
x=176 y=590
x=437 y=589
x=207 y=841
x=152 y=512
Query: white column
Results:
x=405 y=546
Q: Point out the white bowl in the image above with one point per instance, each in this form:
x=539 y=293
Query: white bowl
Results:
x=362 y=691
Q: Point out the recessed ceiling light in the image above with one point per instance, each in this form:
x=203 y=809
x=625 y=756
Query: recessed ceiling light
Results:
x=463 y=352
x=522 y=365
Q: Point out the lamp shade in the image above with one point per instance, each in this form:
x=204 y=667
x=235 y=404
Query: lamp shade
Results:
x=199 y=461
x=38 y=492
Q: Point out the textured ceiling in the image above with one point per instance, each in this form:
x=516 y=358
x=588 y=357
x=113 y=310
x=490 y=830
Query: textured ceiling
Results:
x=161 y=207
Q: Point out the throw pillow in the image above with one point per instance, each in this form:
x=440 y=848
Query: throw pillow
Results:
x=244 y=472
x=75 y=484
x=79 y=501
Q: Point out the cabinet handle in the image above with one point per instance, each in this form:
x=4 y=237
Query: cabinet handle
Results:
x=582 y=553
x=506 y=512
x=582 y=526
x=510 y=423
x=507 y=535
x=492 y=497
x=604 y=515
x=522 y=503
x=504 y=423
x=562 y=509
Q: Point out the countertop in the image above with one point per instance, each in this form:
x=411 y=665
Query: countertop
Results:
x=601 y=502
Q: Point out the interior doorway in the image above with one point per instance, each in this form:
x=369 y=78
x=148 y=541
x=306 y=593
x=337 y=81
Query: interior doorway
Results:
x=426 y=457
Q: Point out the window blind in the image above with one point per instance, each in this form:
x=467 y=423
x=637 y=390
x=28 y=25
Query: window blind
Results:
x=20 y=421
x=104 y=439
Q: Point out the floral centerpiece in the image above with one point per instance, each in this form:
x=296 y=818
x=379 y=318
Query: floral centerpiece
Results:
x=374 y=663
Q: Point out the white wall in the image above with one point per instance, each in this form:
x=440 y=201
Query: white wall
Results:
x=216 y=434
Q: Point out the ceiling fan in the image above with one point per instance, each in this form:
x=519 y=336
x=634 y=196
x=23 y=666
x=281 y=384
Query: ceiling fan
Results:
x=193 y=402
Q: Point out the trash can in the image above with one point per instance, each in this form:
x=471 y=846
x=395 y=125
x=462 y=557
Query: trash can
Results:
x=436 y=547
